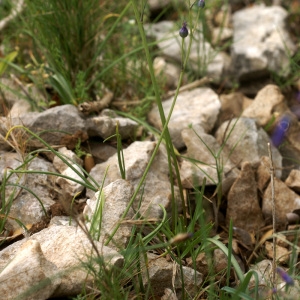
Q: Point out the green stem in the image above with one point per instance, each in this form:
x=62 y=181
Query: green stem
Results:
x=165 y=132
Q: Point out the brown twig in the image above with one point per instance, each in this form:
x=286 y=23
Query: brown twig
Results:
x=96 y=106
x=273 y=213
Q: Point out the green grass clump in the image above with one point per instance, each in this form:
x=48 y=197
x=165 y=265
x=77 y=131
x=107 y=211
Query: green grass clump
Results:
x=78 y=46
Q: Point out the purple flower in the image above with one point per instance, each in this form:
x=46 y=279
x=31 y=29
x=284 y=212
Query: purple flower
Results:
x=280 y=131
x=285 y=276
x=183 y=32
x=201 y=3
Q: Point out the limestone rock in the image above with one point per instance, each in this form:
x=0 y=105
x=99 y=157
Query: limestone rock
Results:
x=231 y=106
x=69 y=186
x=293 y=181
x=282 y=253
x=268 y=101
x=246 y=142
x=69 y=155
x=105 y=211
x=156 y=5
x=198 y=107
x=60 y=125
x=156 y=190
x=260 y=42
x=65 y=247
x=199 y=147
x=101 y=151
x=160 y=274
x=166 y=73
x=29 y=275
x=263 y=173
x=242 y=203
x=293 y=133
x=27 y=207
x=104 y=125
x=202 y=265
x=202 y=54
x=19 y=108
x=286 y=201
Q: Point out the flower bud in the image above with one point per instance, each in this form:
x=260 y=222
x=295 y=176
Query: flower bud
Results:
x=201 y=3
x=183 y=32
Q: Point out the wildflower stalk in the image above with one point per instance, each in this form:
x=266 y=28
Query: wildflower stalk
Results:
x=165 y=121
x=273 y=214
x=165 y=132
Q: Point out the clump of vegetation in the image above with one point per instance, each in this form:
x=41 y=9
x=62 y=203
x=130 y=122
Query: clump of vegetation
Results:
x=77 y=47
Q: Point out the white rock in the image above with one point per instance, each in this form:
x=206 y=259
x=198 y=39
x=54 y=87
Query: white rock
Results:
x=286 y=201
x=198 y=107
x=166 y=72
x=265 y=104
x=69 y=155
x=105 y=124
x=19 y=108
x=26 y=207
x=60 y=125
x=105 y=211
x=203 y=58
x=160 y=273
x=70 y=187
x=156 y=190
x=261 y=42
x=29 y=274
x=200 y=147
x=246 y=142
x=66 y=247
x=293 y=181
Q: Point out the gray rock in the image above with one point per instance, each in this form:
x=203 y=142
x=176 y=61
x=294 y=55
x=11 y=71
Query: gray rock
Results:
x=264 y=272
x=105 y=211
x=19 y=108
x=104 y=125
x=203 y=58
x=156 y=189
x=198 y=107
x=65 y=247
x=231 y=106
x=286 y=201
x=199 y=147
x=27 y=271
x=293 y=181
x=260 y=42
x=246 y=142
x=69 y=155
x=263 y=173
x=25 y=206
x=293 y=133
x=101 y=151
x=155 y=5
x=60 y=125
x=69 y=187
x=160 y=275
x=166 y=73
x=268 y=101
x=242 y=201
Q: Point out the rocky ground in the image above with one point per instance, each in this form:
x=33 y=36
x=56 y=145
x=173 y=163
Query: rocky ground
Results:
x=221 y=127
